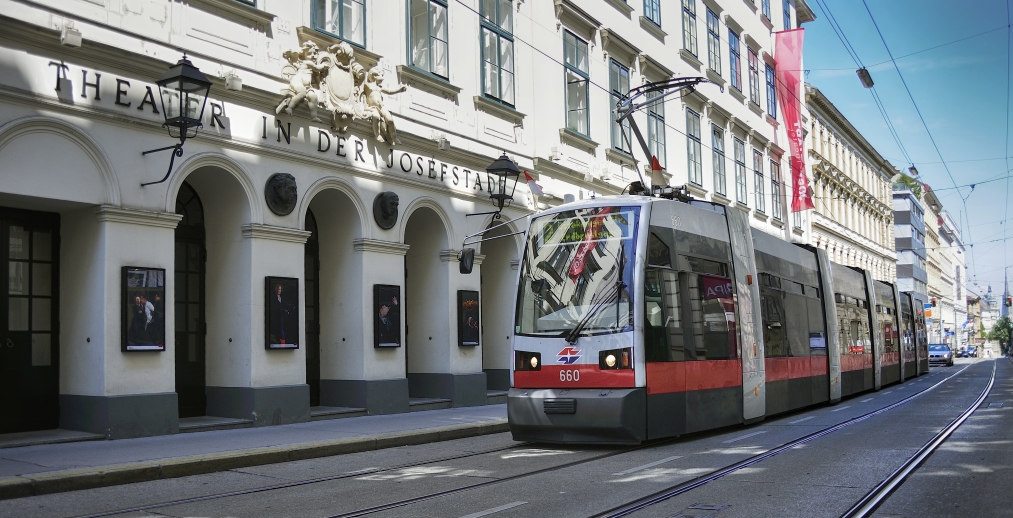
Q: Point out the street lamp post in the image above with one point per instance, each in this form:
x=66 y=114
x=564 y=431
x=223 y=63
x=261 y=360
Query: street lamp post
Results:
x=183 y=91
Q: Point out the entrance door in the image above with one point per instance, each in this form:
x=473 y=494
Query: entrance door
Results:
x=29 y=334
x=311 y=273
x=191 y=329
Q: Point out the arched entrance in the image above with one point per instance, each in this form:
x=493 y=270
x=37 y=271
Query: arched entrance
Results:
x=312 y=316
x=190 y=268
x=29 y=338
x=498 y=292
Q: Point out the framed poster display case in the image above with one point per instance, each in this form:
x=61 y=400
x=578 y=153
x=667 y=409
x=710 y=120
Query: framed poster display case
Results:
x=143 y=309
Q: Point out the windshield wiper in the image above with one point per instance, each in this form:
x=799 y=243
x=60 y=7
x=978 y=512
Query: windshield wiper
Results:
x=572 y=335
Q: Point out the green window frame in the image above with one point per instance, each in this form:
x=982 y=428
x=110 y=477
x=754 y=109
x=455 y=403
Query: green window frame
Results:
x=689 y=26
x=713 y=42
x=758 y=186
x=497 y=44
x=576 y=81
x=428 y=37
x=693 y=148
x=741 y=193
x=652 y=11
x=718 y=159
x=343 y=19
x=619 y=87
x=775 y=190
x=656 y=128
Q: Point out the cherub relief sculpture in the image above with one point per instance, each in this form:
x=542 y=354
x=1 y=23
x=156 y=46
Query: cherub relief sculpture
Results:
x=333 y=80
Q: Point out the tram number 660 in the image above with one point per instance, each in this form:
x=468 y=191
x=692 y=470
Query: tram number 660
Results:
x=569 y=375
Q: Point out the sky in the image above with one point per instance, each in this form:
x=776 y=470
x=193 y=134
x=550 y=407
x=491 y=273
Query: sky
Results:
x=954 y=58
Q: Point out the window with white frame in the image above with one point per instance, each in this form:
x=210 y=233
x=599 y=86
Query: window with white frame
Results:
x=713 y=42
x=771 y=93
x=345 y=19
x=765 y=8
x=787 y=15
x=758 y=184
x=754 y=76
x=428 y=37
x=577 y=79
x=693 y=151
x=689 y=26
x=656 y=127
x=619 y=85
x=718 y=158
x=741 y=194
x=734 y=61
x=497 y=50
x=652 y=11
x=775 y=189
x=797 y=219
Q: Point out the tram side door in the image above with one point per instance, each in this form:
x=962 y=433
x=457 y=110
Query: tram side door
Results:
x=29 y=345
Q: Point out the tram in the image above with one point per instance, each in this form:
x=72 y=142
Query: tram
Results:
x=644 y=317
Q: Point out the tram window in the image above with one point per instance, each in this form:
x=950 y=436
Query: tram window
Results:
x=696 y=264
x=712 y=316
x=817 y=329
x=797 y=319
x=794 y=287
x=663 y=332
x=812 y=292
x=772 y=315
x=658 y=253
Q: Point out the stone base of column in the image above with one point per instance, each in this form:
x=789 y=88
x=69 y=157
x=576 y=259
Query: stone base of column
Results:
x=388 y=396
x=266 y=406
x=461 y=389
x=121 y=417
x=497 y=379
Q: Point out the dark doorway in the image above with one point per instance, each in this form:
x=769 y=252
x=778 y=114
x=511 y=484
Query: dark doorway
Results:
x=191 y=256
x=29 y=333
x=312 y=291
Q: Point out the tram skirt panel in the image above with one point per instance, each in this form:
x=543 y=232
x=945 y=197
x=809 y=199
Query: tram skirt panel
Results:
x=691 y=396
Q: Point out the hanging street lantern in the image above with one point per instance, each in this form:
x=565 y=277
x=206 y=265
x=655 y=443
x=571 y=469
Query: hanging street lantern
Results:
x=183 y=91
x=505 y=174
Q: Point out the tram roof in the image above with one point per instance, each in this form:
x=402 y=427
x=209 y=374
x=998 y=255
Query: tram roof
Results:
x=602 y=201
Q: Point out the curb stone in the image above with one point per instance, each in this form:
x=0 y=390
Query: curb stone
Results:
x=89 y=478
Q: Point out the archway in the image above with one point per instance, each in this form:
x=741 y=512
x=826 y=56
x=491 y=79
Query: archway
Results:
x=498 y=291
x=427 y=303
x=336 y=318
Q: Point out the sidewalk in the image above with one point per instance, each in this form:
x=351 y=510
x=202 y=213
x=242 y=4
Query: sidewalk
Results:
x=53 y=468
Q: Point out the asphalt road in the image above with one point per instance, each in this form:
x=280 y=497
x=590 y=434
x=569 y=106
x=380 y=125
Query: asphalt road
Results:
x=495 y=476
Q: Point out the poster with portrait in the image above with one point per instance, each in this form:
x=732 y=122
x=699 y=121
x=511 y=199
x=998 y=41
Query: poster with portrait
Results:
x=467 y=318
x=281 y=319
x=386 y=315
x=143 y=317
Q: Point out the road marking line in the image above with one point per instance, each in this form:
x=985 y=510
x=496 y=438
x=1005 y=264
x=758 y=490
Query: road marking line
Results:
x=841 y=408
x=866 y=400
x=803 y=419
x=748 y=435
x=645 y=466
x=888 y=391
x=494 y=510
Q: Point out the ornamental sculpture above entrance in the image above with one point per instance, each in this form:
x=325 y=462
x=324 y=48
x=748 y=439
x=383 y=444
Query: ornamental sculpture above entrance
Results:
x=334 y=81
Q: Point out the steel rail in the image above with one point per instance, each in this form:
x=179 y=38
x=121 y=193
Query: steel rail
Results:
x=665 y=494
x=297 y=483
x=871 y=501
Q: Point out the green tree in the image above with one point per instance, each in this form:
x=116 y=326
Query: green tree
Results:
x=1001 y=332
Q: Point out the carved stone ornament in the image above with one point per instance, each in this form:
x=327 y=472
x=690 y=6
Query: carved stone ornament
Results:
x=385 y=209
x=334 y=81
x=281 y=193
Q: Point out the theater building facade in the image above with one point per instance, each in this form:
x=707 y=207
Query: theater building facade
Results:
x=291 y=266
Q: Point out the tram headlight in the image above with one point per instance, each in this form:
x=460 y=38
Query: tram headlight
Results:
x=527 y=361
x=616 y=359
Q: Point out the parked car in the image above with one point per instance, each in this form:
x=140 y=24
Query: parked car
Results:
x=940 y=354
x=969 y=352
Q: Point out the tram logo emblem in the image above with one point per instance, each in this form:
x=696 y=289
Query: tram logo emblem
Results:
x=569 y=355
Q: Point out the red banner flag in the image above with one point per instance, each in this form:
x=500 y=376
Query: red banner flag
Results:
x=788 y=71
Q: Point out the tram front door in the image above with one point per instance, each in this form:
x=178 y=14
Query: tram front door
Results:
x=29 y=344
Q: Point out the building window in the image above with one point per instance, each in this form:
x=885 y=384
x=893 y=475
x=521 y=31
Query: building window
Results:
x=758 y=180
x=775 y=189
x=741 y=194
x=754 y=77
x=345 y=19
x=735 y=62
x=656 y=128
x=718 y=157
x=693 y=147
x=619 y=84
x=497 y=50
x=428 y=38
x=771 y=93
x=575 y=59
x=765 y=8
x=797 y=220
x=787 y=15
x=652 y=11
x=713 y=42
x=689 y=26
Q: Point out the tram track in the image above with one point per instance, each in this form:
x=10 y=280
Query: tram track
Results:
x=623 y=510
x=866 y=505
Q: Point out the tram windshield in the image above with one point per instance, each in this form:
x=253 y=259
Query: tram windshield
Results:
x=577 y=273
